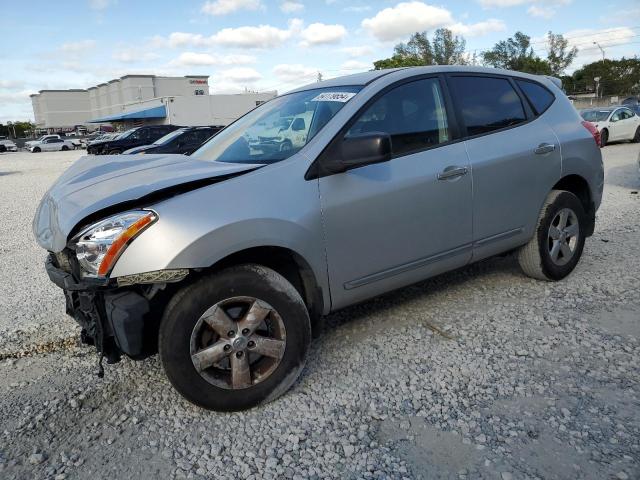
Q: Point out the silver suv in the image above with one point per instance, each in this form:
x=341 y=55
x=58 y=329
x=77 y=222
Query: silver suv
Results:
x=225 y=261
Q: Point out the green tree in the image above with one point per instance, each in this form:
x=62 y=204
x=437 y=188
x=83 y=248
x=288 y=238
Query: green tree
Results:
x=558 y=56
x=444 y=49
x=447 y=48
x=617 y=77
x=516 y=53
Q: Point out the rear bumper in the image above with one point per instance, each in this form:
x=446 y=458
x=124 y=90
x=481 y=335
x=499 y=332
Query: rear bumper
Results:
x=115 y=320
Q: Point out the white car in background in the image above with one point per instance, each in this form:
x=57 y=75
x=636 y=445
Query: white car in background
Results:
x=50 y=145
x=614 y=123
x=8 y=146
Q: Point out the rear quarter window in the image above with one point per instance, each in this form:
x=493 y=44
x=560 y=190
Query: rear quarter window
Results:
x=539 y=97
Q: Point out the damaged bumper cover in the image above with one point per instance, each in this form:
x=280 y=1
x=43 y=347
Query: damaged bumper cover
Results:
x=115 y=316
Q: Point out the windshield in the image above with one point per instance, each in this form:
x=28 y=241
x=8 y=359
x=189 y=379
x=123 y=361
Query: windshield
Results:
x=595 y=115
x=170 y=136
x=126 y=133
x=277 y=129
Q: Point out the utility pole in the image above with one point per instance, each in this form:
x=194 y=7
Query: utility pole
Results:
x=601 y=49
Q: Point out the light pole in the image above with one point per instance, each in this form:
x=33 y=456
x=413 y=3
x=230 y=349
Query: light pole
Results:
x=601 y=49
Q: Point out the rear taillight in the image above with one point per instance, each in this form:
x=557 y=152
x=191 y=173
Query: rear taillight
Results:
x=593 y=130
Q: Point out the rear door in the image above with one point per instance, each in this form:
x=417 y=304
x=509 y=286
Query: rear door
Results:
x=514 y=155
x=394 y=223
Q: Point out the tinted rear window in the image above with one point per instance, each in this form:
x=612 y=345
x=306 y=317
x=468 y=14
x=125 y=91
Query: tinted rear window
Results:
x=539 y=97
x=487 y=103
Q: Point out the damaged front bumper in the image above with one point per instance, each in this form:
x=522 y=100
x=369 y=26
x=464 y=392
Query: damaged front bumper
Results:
x=116 y=319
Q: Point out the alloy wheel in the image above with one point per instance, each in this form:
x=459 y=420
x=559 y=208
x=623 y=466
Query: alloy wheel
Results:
x=238 y=342
x=563 y=236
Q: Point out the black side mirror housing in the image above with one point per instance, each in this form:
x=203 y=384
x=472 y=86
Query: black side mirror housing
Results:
x=356 y=151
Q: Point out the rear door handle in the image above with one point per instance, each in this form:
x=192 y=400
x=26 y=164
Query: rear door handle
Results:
x=452 y=172
x=544 y=148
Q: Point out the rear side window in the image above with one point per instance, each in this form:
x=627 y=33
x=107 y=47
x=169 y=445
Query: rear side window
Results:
x=539 y=97
x=487 y=103
x=413 y=114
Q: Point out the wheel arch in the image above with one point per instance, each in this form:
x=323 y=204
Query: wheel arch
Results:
x=579 y=186
x=288 y=263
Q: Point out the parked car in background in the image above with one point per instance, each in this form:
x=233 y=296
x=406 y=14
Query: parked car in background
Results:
x=183 y=140
x=8 y=146
x=134 y=137
x=51 y=145
x=28 y=144
x=614 y=123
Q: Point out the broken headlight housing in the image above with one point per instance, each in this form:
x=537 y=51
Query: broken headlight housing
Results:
x=99 y=246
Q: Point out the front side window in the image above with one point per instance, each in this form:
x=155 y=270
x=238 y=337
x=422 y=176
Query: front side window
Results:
x=617 y=116
x=487 y=103
x=595 y=115
x=413 y=114
x=277 y=129
x=539 y=97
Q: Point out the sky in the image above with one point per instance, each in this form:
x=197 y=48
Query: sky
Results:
x=269 y=44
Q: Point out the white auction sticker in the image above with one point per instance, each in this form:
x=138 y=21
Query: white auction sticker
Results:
x=334 y=97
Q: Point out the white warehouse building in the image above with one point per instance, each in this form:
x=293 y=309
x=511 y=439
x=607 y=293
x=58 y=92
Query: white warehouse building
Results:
x=135 y=100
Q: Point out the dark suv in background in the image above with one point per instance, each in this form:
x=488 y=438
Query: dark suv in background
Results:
x=183 y=140
x=134 y=137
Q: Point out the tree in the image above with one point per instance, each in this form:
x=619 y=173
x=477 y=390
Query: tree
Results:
x=516 y=53
x=445 y=49
x=617 y=77
x=558 y=56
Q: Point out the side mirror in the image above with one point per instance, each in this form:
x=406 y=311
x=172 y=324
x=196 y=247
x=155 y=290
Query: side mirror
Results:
x=352 y=152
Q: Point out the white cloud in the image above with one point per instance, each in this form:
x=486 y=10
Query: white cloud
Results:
x=11 y=84
x=478 y=29
x=359 y=51
x=100 y=4
x=240 y=74
x=224 y=7
x=291 y=7
x=132 y=55
x=541 y=12
x=295 y=73
x=406 y=18
x=503 y=3
x=78 y=47
x=320 y=34
x=189 y=59
x=16 y=97
x=182 y=39
x=261 y=36
x=357 y=8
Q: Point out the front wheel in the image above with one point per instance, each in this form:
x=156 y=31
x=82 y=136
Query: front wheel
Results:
x=115 y=152
x=636 y=137
x=36 y=150
x=65 y=148
x=235 y=339
x=604 y=138
x=557 y=243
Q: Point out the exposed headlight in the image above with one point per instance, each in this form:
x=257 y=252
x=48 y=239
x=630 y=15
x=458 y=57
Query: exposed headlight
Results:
x=99 y=246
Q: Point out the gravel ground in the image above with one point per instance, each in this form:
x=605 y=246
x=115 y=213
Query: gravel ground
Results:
x=481 y=373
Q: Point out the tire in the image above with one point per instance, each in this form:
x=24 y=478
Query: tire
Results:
x=536 y=258
x=604 y=138
x=115 y=152
x=181 y=343
x=286 y=146
x=36 y=150
x=636 y=137
x=64 y=148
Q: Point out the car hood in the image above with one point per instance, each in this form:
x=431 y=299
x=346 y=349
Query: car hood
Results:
x=96 y=183
x=142 y=148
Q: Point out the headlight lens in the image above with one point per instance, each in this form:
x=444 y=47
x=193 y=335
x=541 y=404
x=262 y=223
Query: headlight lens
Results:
x=99 y=246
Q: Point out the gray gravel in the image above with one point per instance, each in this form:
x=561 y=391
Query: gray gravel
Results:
x=481 y=373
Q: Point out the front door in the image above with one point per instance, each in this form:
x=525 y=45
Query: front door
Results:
x=391 y=224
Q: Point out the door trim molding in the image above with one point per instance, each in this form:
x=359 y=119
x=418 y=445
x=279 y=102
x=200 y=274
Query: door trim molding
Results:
x=405 y=267
x=500 y=236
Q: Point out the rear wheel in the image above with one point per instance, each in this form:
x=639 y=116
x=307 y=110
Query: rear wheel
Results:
x=556 y=246
x=604 y=137
x=36 y=150
x=636 y=137
x=65 y=148
x=235 y=339
x=115 y=152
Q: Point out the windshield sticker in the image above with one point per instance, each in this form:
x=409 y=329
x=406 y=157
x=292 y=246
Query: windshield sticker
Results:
x=334 y=97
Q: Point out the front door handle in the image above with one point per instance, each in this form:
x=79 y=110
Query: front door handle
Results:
x=452 y=172
x=544 y=148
